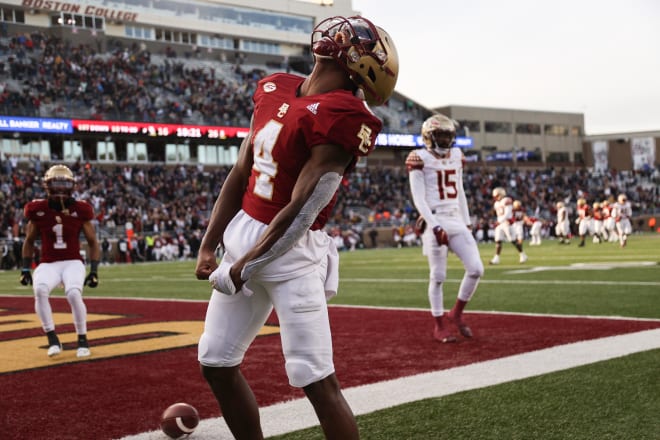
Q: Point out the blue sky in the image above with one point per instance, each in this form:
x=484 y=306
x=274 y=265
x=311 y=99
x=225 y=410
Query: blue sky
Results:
x=596 y=57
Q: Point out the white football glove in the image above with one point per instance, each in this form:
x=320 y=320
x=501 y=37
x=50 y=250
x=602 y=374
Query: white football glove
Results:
x=221 y=281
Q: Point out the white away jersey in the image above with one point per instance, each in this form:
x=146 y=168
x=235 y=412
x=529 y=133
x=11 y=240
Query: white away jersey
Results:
x=443 y=177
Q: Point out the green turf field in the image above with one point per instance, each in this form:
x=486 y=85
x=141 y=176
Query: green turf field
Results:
x=616 y=399
x=594 y=280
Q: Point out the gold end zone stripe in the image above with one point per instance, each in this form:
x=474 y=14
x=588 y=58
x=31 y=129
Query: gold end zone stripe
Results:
x=30 y=353
x=27 y=321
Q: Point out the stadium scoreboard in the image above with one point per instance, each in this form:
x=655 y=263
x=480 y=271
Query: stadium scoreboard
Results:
x=181 y=131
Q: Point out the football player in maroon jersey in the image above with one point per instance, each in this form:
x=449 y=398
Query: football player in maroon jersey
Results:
x=57 y=221
x=584 y=220
x=305 y=134
x=503 y=207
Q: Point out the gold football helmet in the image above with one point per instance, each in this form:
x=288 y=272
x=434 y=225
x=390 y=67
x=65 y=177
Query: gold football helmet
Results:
x=622 y=198
x=59 y=182
x=499 y=193
x=364 y=50
x=517 y=204
x=581 y=202
x=439 y=133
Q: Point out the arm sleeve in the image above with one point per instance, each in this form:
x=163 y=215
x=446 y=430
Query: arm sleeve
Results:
x=320 y=197
x=416 y=178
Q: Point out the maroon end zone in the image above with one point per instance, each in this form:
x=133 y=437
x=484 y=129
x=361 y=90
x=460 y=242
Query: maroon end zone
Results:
x=114 y=397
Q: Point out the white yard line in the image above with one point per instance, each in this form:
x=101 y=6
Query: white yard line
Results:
x=298 y=414
x=487 y=281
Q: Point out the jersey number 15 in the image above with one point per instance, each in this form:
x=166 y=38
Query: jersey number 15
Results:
x=447 y=184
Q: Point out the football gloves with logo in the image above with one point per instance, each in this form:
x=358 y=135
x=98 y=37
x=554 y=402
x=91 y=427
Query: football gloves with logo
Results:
x=420 y=225
x=92 y=280
x=441 y=236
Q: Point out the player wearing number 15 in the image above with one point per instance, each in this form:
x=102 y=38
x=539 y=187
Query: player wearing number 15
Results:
x=436 y=184
x=57 y=221
x=305 y=135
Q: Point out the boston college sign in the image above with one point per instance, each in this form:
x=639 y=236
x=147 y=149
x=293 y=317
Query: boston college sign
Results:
x=76 y=8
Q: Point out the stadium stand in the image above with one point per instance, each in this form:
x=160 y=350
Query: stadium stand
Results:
x=172 y=204
x=45 y=76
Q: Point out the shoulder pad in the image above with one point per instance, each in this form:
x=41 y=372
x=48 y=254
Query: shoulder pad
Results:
x=414 y=162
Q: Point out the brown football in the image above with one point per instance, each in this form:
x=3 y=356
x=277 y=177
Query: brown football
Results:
x=179 y=419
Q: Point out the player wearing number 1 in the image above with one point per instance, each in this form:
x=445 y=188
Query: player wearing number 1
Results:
x=436 y=184
x=58 y=221
x=305 y=134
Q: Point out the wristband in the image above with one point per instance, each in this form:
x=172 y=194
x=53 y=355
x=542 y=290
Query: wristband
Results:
x=94 y=266
x=27 y=263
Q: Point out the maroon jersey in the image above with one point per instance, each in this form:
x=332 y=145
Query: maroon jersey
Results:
x=584 y=211
x=285 y=129
x=60 y=230
x=518 y=214
x=598 y=214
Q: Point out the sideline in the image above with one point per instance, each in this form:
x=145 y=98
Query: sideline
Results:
x=298 y=414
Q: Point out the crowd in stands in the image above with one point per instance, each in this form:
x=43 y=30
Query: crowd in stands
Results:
x=379 y=196
x=45 y=76
x=167 y=207
x=171 y=205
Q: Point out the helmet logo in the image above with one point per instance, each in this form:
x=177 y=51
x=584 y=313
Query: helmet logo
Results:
x=366 y=52
x=439 y=133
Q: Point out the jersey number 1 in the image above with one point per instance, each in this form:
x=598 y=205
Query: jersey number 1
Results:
x=58 y=229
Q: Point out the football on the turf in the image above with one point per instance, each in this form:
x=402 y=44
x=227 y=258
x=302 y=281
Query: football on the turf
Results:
x=179 y=419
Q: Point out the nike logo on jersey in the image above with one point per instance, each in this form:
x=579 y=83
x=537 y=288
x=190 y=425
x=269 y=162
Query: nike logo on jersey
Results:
x=314 y=108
